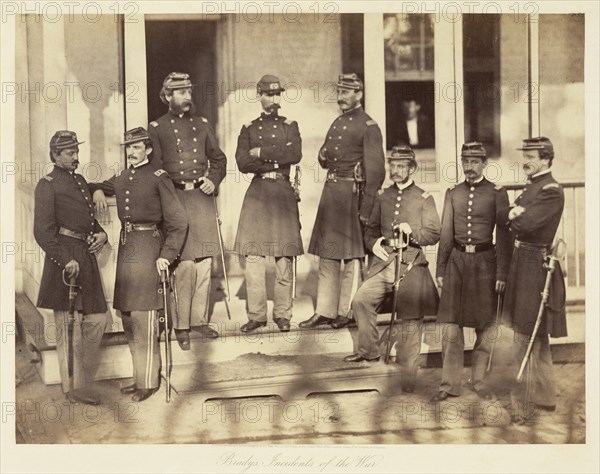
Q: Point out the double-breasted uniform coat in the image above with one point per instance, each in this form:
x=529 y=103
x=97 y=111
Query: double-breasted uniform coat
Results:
x=185 y=146
x=154 y=225
x=269 y=221
x=534 y=230
x=353 y=137
x=63 y=202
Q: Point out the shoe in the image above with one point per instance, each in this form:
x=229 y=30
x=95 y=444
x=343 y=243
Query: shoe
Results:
x=128 y=389
x=83 y=396
x=440 y=397
x=483 y=393
x=342 y=322
x=252 y=325
x=282 y=323
x=359 y=358
x=546 y=407
x=143 y=393
x=183 y=338
x=208 y=332
x=314 y=321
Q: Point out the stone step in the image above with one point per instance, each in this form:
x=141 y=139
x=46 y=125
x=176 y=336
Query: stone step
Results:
x=115 y=358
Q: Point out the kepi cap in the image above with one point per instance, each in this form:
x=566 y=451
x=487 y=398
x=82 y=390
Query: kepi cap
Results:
x=177 y=80
x=537 y=143
x=134 y=135
x=473 y=149
x=64 y=139
x=402 y=152
x=350 y=81
x=269 y=84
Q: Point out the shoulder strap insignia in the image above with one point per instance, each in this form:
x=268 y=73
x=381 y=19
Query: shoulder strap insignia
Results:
x=159 y=172
x=552 y=186
x=154 y=123
x=248 y=125
x=204 y=119
x=425 y=195
x=288 y=121
x=380 y=192
x=48 y=177
x=498 y=187
x=451 y=187
x=371 y=122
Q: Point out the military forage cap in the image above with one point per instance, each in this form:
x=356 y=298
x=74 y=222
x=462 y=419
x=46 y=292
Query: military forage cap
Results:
x=63 y=139
x=537 y=143
x=350 y=81
x=473 y=149
x=402 y=152
x=134 y=135
x=269 y=84
x=177 y=80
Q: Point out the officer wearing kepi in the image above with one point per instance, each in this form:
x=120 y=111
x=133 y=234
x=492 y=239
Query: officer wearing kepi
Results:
x=471 y=270
x=269 y=222
x=66 y=229
x=534 y=220
x=186 y=147
x=402 y=208
x=354 y=139
x=146 y=201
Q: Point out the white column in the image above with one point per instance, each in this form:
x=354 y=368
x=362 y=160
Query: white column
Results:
x=136 y=103
x=55 y=72
x=374 y=69
x=533 y=74
x=449 y=98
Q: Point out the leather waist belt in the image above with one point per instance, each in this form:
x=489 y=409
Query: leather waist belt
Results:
x=129 y=227
x=473 y=248
x=187 y=186
x=529 y=245
x=273 y=175
x=72 y=233
x=335 y=176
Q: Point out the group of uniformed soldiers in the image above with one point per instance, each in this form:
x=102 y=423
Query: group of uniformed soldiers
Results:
x=173 y=173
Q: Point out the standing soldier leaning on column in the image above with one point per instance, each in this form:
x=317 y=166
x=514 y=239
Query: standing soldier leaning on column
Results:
x=66 y=229
x=534 y=220
x=470 y=270
x=354 y=138
x=146 y=201
x=186 y=147
x=269 y=221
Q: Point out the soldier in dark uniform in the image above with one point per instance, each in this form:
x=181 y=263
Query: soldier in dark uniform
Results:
x=146 y=201
x=411 y=210
x=534 y=220
x=269 y=221
x=470 y=270
x=186 y=147
x=337 y=237
x=66 y=229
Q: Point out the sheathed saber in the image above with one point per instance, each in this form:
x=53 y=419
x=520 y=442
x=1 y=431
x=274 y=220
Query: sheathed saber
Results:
x=164 y=282
x=296 y=187
x=398 y=243
x=558 y=253
x=72 y=284
x=222 y=250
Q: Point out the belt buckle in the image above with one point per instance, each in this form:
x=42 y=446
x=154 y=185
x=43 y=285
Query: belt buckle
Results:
x=470 y=248
x=188 y=186
x=128 y=227
x=330 y=175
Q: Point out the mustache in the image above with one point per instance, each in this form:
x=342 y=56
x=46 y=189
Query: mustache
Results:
x=340 y=102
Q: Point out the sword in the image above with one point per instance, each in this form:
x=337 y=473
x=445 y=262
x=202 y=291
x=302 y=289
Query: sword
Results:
x=294 y=275
x=72 y=284
x=558 y=253
x=164 y=281
x=498 y=311
x=222 y=250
